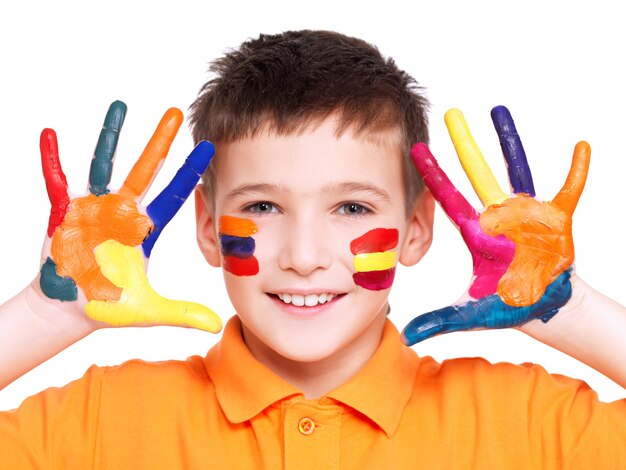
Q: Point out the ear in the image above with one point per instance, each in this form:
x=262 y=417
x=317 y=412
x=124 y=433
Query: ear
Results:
x=206 y=233
x=419 y=230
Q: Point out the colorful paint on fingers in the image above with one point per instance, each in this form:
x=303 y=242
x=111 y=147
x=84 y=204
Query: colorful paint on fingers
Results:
x=237 y=245
x=374 y=262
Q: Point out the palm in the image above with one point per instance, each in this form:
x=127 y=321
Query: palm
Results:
x=521 y=248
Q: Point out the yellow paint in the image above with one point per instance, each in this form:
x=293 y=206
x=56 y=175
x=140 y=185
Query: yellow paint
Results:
x=139 y=304
x=472 y=160
x=364 y=262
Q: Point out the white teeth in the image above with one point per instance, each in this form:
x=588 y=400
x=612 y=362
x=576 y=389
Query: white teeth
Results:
x=310 y=300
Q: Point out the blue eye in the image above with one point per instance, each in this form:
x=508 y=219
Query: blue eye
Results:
x=261 y=208
x=353 y=209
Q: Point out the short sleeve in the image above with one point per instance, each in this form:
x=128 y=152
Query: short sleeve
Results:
x=54 y=429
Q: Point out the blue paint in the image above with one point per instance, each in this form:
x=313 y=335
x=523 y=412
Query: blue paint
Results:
x=517 y=165
x=55 y=286
x=488 y=312
x=102 y=162
x=165 y=206
x=241 y=247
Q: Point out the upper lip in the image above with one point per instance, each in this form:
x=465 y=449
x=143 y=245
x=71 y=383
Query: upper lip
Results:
x=305 y=291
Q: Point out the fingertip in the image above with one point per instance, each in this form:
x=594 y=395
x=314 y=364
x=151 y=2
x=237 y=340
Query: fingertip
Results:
x=502 y=120
x=173 y=117
x=201 y=156
x=583 y=149
x=115 y=115
x=48 y=140
x=452 y=115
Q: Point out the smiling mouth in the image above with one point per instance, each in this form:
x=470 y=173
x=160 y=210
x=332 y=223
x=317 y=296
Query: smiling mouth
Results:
x=309 y=300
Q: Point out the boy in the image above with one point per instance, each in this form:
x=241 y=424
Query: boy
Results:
x=310 y=200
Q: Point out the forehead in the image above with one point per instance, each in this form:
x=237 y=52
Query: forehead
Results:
x=313 y=157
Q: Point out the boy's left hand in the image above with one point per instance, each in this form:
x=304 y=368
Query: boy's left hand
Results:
x=522 y=248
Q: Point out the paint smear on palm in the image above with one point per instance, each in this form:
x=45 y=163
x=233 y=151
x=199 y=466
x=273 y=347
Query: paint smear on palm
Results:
x=139 y=304
x=90 y=221
x=544 y=249
x=374 y=261
x=237 y=245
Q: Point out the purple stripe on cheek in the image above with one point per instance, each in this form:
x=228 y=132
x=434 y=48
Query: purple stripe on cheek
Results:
x=241 y=247
x=375 y=280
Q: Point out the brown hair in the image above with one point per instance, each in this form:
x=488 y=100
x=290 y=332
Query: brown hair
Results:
x=286 y=82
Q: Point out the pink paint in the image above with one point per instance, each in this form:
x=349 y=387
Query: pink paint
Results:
x=375 y=280
x=491 y=255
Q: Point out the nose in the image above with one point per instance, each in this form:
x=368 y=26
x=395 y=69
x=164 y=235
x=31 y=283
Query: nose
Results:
x=306 y=246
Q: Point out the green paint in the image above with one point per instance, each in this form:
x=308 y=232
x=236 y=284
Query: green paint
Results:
x=102 y=162
x=55 y=286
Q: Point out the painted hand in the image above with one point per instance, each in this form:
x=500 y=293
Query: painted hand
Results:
x=522 y=249
x=99 y=244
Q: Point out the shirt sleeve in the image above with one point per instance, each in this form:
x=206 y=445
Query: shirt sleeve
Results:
x=568 y=423
x=55 y=429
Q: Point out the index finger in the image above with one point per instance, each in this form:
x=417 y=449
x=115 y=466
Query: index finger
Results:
x=452 y=201
x=472 y=160
x=147 y=166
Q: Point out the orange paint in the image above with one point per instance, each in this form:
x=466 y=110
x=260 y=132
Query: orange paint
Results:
x=90 y=221
x=237 y=227
x=542 y=233
x=143 y=172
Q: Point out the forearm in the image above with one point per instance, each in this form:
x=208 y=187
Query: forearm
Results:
x=591 y=328
x=32 y=330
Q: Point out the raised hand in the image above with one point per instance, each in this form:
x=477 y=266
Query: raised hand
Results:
x=98 y=245
x=522 y=249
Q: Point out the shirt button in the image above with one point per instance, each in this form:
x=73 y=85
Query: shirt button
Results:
x=306 y=426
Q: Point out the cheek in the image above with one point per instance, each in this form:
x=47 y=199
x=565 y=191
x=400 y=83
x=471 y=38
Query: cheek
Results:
x=237 y=245
x=374 y=258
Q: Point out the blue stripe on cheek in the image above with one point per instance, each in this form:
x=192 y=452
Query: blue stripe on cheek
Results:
x=240 y=247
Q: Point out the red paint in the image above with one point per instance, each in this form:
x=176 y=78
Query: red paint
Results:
x=241 y=266
x=375 y=280
x=56 y=184
x=375 y=241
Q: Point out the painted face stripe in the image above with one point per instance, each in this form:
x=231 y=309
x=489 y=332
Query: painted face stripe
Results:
x=375 y=280
x=241 y=266
x=102 y=162
x=237 y=227
x=374 y=261
x=240 y=247
x=377 y=240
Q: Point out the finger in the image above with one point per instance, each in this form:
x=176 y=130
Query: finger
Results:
x=489 y=312
x=143 y=173
x=102 y=162
x=568 y=196
x=452 y=201
x=169 y=201
x=139 y=304
x=474 y=165
x=516 y=163
x=56 y=184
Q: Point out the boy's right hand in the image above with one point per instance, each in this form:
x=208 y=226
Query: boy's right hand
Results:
x=97 y=246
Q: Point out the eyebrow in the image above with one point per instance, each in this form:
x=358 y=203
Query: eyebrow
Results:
x=246 y=190
x=357 y=187
x=250 y=189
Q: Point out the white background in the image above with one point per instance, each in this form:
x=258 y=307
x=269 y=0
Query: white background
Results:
x=557 y=66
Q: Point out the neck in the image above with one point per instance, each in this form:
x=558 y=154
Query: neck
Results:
x=316 y=378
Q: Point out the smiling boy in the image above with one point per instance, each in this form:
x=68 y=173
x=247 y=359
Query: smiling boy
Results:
x=308 y=205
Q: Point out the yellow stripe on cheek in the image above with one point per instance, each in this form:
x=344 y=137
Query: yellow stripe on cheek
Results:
x=374 y=261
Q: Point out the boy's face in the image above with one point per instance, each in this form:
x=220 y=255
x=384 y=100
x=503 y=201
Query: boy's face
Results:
x=310 y=195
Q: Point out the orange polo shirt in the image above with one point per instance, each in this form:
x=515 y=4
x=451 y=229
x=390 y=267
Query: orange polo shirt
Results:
x=400 y=411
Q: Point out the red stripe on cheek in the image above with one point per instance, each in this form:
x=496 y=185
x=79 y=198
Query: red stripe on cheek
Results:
x=377 y=240
x=375 y=280
x=241 y=266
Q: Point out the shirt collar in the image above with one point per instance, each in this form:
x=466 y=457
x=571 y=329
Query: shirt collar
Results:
x=380 y=390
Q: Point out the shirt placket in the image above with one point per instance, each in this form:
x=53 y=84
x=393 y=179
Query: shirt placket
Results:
x=311 y=432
